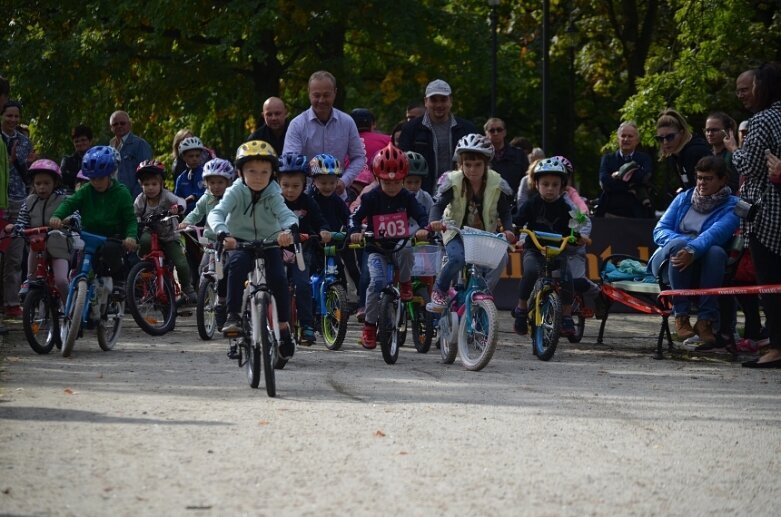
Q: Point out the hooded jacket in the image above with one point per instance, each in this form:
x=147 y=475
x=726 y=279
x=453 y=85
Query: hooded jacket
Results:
x=251 y=219
x=108 y=213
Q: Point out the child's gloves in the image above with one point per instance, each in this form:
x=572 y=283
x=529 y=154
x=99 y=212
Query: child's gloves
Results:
x=325 y=236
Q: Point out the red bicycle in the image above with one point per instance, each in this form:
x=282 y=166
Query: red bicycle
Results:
x=151 y=289
x=43 y=303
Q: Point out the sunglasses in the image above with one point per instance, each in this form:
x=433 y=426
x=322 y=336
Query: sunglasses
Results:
x=666 y=138
x=496 y=130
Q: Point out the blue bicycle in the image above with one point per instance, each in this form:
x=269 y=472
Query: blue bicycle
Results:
x=91 y=302
x=329 y=297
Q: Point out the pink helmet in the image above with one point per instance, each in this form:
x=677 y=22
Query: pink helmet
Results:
x=45 y=165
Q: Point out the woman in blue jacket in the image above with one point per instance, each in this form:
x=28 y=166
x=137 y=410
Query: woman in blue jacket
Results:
x=693 y=234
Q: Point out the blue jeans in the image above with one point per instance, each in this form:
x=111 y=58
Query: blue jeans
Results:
x=378 y=279
x=455 y=263
x=705 y=272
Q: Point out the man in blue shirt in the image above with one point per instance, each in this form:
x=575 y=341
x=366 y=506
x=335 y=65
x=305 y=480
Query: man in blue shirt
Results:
x=132 y=149
x=325 y=129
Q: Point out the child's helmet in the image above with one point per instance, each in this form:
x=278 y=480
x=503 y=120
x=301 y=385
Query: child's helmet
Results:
x=390 y=163
x=99 y=161
x=418 y=166
x=293 y=162
x=44 y=165
x=218 y=167
x=567 y=164
x=550 y=166
x=80 y=176
x=190 y=143
x=325 y=165
x=149 y=168
x=256 y=150
x=474 y=143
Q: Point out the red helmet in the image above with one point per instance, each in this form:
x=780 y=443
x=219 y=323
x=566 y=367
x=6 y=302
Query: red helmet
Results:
x=149 y=168
x=390 y=163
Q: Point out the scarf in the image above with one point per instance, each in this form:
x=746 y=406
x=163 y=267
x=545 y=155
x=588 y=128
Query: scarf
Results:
x=705 y=204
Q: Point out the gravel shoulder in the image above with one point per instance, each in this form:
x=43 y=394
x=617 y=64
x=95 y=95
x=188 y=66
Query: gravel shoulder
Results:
x=169 y=426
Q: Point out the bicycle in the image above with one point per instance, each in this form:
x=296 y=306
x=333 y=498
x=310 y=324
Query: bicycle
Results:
x=428 y=262
x=151 y=290
x=212 y=274
x=42 y=304
x=329 y=296
x=91 y=301
x=392 y=318
x=260 y=342
x=470 y=320
x=545 y=311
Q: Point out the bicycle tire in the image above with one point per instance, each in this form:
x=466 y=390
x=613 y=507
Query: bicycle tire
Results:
x=546 y=337
x=422 y=328
x=267 y=346
x=447 y=350
x=334 y=321
x=40 y=320
x=205 y=316
x=252 y=361
x=387 y=332
x=110 y=325
x=153 y=316
x=72 y=320
x=476 y=355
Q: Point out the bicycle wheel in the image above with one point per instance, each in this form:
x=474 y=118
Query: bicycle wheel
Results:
x=580 y=321
x=40 y=320
x=422 y=323
x=205 y=316
x=110 y=325
x=477 y=347
x=334 y=321
x=252 y=346
x=387 y=331
x=267 y=344
x=448 y=323
x=154 y=315
x=545 y=338
x=71 y=322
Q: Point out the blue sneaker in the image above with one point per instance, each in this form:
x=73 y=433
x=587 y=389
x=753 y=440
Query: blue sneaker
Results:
x=307 y=335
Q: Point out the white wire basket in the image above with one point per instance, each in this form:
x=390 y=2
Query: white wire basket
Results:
x=428 y=260
x=483 y=248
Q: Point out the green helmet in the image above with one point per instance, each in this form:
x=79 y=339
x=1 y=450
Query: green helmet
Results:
x=417 y=164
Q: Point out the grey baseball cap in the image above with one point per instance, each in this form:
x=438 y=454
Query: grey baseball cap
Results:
x=438 y=87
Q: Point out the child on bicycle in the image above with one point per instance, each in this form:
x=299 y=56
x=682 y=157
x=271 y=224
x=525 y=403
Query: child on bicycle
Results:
x=106 y=208
x=418 y=169
x=473 y=195
x=36 y=211
x=547 y=210
x=253 y=209
x=292 y=174
x=325 y=171
x=154 y=197
x=189 y=184
x=387 y=211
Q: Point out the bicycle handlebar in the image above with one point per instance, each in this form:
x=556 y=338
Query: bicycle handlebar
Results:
x=552 y=237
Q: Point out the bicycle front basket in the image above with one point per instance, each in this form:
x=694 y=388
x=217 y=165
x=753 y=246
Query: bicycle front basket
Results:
x=483 y=248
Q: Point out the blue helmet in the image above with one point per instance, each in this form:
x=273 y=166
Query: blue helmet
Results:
x=292 y=162
x=99 y=161
x=325 y=165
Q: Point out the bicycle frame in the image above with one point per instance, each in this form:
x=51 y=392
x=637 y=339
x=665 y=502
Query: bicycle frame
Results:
x=157 y=257
x=546 y=281
x=43 y=276
x=91 y=243
x=255 y=287
x=328 y=277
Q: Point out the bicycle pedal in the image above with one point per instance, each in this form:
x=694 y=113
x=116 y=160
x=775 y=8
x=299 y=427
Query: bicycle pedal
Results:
x=232 y=335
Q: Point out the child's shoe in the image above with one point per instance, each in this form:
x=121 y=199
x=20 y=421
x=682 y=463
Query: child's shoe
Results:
x=521 y=324
x=369 y=336
x=307 y=335
x=13 y=311
x=232 y=326
x=220 y=314
x=24 y=289
x=405 y=291
x=233 y=350
x=438 y=301
x=360 y=314
x=189 y=296
x=286 y=345
x=567 y=326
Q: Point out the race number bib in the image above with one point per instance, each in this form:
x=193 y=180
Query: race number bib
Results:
x=391 y=225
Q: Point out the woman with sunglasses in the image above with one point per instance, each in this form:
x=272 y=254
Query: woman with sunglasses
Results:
x=680 y=147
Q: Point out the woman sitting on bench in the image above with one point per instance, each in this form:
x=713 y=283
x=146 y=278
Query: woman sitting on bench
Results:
x=693 y=234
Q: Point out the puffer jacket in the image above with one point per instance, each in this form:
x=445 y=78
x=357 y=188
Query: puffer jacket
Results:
x=248 y=219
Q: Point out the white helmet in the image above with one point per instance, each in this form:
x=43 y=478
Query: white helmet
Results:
x=474 y=143
x=189 y=143
x=218 y=167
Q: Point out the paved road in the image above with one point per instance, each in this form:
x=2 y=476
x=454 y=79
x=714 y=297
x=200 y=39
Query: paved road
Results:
x=168 y=426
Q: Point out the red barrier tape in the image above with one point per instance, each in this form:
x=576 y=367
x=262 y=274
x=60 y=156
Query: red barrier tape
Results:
x=631 y=301
x=723 y=291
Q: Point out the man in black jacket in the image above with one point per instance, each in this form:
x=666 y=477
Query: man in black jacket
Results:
x=435 y=134
x=275 y=124
x=81 y=136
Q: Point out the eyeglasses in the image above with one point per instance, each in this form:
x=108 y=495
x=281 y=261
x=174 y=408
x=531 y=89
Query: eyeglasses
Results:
x=705 y=179
x=496 y=130
x=666 y=138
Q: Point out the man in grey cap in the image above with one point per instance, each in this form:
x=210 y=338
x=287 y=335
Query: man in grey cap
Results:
x=435 y=134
